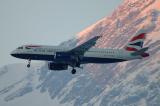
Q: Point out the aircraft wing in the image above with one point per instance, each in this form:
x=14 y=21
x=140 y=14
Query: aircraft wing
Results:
x=81 y=49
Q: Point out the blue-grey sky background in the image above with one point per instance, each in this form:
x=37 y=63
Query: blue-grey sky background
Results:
x=46 y=22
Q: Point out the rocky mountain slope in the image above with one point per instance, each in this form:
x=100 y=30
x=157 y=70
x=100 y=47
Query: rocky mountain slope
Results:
x=134 y=83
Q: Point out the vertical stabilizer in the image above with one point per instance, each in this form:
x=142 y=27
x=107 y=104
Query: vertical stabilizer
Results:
x=136 y=43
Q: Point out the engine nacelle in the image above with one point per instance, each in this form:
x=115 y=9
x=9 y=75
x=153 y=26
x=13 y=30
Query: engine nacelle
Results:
x=57 y=66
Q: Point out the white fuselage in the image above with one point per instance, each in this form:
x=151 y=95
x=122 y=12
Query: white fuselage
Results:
x=93 y=55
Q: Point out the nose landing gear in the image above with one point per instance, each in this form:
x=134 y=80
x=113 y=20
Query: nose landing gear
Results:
x=73 y=71
x=29 y=63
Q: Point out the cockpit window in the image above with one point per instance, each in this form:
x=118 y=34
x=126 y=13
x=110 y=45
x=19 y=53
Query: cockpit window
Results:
x=27 y=48
x=20 y=48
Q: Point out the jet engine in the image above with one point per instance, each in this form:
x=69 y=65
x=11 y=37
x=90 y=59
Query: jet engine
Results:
x=57 y=66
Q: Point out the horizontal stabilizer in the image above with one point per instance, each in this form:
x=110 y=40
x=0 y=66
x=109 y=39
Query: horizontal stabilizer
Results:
x=140 y=52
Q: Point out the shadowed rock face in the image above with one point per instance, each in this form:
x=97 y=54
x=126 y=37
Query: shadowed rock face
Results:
x=121 y=84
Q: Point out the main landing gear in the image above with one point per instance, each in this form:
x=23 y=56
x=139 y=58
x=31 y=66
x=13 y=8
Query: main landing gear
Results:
x=73 y=71
x=29 y=63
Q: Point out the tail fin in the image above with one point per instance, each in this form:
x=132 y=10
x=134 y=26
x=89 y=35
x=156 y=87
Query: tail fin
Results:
x=136 y=43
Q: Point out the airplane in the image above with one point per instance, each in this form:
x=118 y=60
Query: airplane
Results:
x=60 y=58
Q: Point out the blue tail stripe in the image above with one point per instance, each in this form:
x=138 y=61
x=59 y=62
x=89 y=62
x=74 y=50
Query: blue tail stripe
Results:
x=137 y=44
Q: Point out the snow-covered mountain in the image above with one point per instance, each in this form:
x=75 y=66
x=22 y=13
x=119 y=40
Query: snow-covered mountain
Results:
x=135 y=83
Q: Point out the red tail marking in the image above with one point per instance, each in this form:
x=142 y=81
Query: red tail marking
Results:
x=131 y=49
x=33 y=46
x=145 y=54
x=141 y=36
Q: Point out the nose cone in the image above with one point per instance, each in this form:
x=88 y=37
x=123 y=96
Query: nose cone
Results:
x=13 y=53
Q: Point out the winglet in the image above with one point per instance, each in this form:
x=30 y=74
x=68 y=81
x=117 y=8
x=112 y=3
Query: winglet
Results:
x=95 y=38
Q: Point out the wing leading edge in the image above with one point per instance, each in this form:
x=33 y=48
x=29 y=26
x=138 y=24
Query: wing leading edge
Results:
x=81 y=49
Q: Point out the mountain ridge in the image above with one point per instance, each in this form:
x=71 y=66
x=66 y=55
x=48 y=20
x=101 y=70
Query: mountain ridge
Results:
x=119 y=84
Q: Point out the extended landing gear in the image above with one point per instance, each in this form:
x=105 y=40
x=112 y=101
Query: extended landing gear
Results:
x=29 y=64
x=73 y=71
